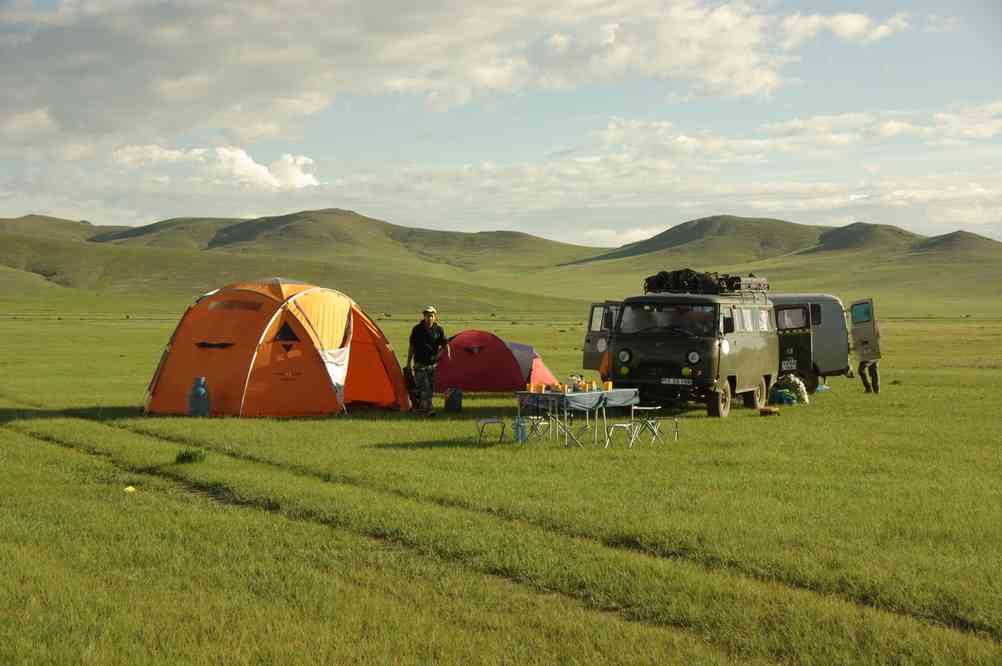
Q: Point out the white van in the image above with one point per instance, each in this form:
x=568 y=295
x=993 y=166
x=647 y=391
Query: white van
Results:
x=829 y=333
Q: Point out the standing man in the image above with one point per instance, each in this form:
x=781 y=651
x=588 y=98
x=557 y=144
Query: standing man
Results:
x=866 y=344
x=873 y=383
x=427 y=341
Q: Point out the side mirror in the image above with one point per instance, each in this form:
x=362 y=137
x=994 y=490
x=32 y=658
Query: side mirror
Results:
x=728 y=325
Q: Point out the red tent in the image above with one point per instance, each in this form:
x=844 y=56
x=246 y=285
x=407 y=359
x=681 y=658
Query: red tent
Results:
x=481 y=361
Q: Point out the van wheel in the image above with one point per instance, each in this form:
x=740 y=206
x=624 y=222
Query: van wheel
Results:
x=756 y=399
x=810 y=380
x=719 y=402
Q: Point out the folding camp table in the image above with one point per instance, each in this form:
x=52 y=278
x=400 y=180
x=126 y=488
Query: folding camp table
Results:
x=560 y=408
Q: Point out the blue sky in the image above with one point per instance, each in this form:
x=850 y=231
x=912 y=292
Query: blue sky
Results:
x=591 y=122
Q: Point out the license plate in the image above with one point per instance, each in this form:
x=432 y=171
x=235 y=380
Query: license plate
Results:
x=788 y=364
x=677 y=381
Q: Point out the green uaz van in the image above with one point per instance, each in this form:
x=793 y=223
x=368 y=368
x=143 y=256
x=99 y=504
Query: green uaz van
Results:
x=681 y=347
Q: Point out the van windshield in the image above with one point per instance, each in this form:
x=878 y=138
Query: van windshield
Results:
x=684 y=318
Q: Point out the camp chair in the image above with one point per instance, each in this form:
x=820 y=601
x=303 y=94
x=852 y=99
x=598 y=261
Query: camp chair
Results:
x=538 y=425
x=642 y=419
x=482 y=426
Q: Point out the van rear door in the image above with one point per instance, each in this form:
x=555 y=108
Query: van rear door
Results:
x=865 y=332
x=796 y=352
x=601 y=320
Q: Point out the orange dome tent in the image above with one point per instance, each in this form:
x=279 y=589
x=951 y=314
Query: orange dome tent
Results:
x=277 y=347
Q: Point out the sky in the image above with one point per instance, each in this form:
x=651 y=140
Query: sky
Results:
x=599 y=122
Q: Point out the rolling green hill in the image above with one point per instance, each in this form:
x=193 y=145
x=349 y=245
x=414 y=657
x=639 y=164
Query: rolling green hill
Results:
x=393 y=268
x=52 y=227
x=722 y=238
x=959 y=243
x=158 y=279
x=194 y=233
x=862 y=236
x=910 y=275
x=342 y=235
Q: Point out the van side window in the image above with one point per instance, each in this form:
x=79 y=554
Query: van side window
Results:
x=727 y=320
x=788 y=318
x=763 y=319
x=746 y=314
x=609 y=319
x=861 y=313
x=815 y=314
x=596 y=318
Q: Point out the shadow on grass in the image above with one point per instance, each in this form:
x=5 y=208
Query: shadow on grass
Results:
x=470 y=412
x=97 y=413
x=471 y=443
x=467 y=414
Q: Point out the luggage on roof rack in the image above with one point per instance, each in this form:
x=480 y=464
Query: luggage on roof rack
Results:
x=688 y=281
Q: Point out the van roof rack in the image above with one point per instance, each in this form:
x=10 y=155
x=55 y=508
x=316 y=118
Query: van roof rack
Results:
x=688 y=281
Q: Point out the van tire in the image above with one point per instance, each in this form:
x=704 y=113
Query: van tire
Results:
x=810 y=379
x=719 y=402
x=756 y=398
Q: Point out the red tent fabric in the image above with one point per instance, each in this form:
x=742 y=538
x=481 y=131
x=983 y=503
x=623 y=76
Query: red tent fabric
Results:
x=481 y=361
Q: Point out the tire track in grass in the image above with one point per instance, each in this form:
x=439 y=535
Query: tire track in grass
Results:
x=627 y=542
x=545 y=618
x=744 y=617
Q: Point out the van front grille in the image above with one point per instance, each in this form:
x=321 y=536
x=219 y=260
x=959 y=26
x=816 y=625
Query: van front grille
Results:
x=659 y=370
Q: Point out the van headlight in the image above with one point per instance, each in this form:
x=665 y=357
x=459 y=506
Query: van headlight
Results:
x=624 y=355
x=693 y=357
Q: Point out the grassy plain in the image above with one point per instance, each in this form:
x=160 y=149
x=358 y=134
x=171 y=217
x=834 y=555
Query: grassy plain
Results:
x=858 y=529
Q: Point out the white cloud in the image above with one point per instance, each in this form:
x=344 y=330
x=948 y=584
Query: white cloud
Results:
x=958 y=126
x=850 y=27
x=235 y=165
x=255 y=70
x=289 y=171
x=605 y=237
x=27 y=126
x=225 y=165
x=134 y=156
x=622 y=183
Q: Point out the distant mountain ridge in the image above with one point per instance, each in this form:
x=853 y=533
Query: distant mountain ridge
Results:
x=389 y=264
x=53 y=227
x=335 y=233
x=860 y=235
x=332 y=232
x=726 y=237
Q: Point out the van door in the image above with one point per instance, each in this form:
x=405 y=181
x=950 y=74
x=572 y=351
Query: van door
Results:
x=796 y=342
x=865 y=332
x=601 y=320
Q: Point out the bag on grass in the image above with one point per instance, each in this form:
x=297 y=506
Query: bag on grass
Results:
x=453 y=400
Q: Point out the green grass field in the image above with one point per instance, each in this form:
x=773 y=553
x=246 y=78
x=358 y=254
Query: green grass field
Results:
x=857 y=529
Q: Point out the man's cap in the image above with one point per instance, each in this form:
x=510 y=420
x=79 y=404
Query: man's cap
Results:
x=429 y=308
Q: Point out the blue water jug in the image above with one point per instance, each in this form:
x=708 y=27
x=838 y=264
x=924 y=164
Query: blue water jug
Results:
x=521 y=430
x=198 y=398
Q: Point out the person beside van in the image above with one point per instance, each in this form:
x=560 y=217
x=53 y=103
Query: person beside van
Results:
x=866 y=344
x=426 y=344
x=871 y=384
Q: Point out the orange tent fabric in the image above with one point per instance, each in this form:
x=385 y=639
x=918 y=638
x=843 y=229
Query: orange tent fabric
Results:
x=277 y=347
